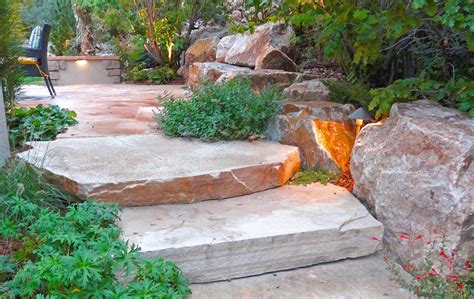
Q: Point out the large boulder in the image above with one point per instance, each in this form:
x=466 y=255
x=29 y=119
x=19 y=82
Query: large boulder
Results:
x=275 y=59
x=202 y=50
x=320 y=129
x=415 y=172
x=221 y=72
x=249 y=49
x=311 y=90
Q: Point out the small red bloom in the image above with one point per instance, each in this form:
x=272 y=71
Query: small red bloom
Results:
x=408 y=266
x=405 y=237
x=429 y=242
x=443 y=254
x=420 y=277
x=418 y=237
x=433 y=273
x=385 y=258
x=374 y=238
x=466 y=265
x=460 y=285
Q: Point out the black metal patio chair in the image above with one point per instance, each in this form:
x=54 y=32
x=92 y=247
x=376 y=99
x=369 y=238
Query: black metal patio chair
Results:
x=35 y=57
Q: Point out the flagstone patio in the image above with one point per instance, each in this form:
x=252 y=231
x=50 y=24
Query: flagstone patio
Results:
x=105 y=110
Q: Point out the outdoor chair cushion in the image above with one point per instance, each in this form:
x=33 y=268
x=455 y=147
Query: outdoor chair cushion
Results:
x=35 y=38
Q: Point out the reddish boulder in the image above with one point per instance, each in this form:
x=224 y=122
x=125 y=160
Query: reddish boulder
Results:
x=247 y=49
x=321 y=130
x=220 y=72
x=415 y=172
x=311 y=90
x=202 y=50
x=276 y=60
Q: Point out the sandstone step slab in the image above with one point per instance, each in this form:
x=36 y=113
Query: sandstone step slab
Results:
x=154 y=169
x=278 y=229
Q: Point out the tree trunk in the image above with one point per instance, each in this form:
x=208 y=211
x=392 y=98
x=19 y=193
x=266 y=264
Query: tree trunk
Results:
x=85 y=30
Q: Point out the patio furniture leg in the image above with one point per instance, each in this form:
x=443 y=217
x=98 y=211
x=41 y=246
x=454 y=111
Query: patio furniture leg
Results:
x=49 y=87
x=52 y=86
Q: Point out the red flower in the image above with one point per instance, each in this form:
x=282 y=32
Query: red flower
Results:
x=466 y=265
x=429 y=242
x=374 y=238
x=420 y=277
x=405 y=237
x=433 y=273
x=418 y=237
x=408 y=266
x=385 y=258
x=460 y=285
x=443 y=254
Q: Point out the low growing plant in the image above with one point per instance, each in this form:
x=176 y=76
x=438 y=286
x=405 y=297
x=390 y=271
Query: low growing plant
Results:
x=75 y=252
x=225 y=111
x=458 y=93
x=437 y=276
x=314 y=175
x=153 y=76
x=38 y=123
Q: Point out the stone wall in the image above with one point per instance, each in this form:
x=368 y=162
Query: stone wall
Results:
x=70 y=70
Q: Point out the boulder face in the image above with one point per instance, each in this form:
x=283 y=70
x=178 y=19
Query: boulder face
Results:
x=276 y=60
x=248 y=49
x=202 y=50
x=221 y=72
x=321 y=130
x=311 y=90
x=415 y=172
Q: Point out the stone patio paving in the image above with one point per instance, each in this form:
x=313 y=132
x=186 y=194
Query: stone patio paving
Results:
x=105 y=110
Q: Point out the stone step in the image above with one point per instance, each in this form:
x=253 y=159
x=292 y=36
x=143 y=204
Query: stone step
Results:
x=278 y=229
x=154 y=169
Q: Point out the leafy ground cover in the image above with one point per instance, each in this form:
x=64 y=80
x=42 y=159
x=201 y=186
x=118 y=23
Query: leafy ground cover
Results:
x=225 y=111
x=309 y=176
x=38 y=123
x=49 y=249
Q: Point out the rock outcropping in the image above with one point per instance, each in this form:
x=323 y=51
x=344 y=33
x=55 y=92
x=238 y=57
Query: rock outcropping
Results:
x=416 y=172
x=311 y=90
x=320 y=129
x=253 y=49
x=220 y=72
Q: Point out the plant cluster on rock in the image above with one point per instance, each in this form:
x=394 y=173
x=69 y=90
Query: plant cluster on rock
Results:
x=226 y=111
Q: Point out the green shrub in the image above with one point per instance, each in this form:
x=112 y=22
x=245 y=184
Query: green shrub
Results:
x=459 y=93
x=10 y=50
x=74 y=252
x=352 y=93
x=227 y=111
x=314 y=175
x=154 y=76
x=38 y=123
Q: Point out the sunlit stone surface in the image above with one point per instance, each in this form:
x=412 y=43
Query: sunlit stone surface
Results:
x=282 y=228
x=153 y=169
x=321 y=130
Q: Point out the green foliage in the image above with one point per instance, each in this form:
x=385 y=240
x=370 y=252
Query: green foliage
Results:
x=59 y=14
x=75 y=253
x=38 y=123
x=17 y=177
x=353 y=93
x=437 y=275
x=154 y=76
x=455 y=92
x=64 y=27
x=314 y=175
x=381 y=41
x=231 y=110
x=10 y=50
